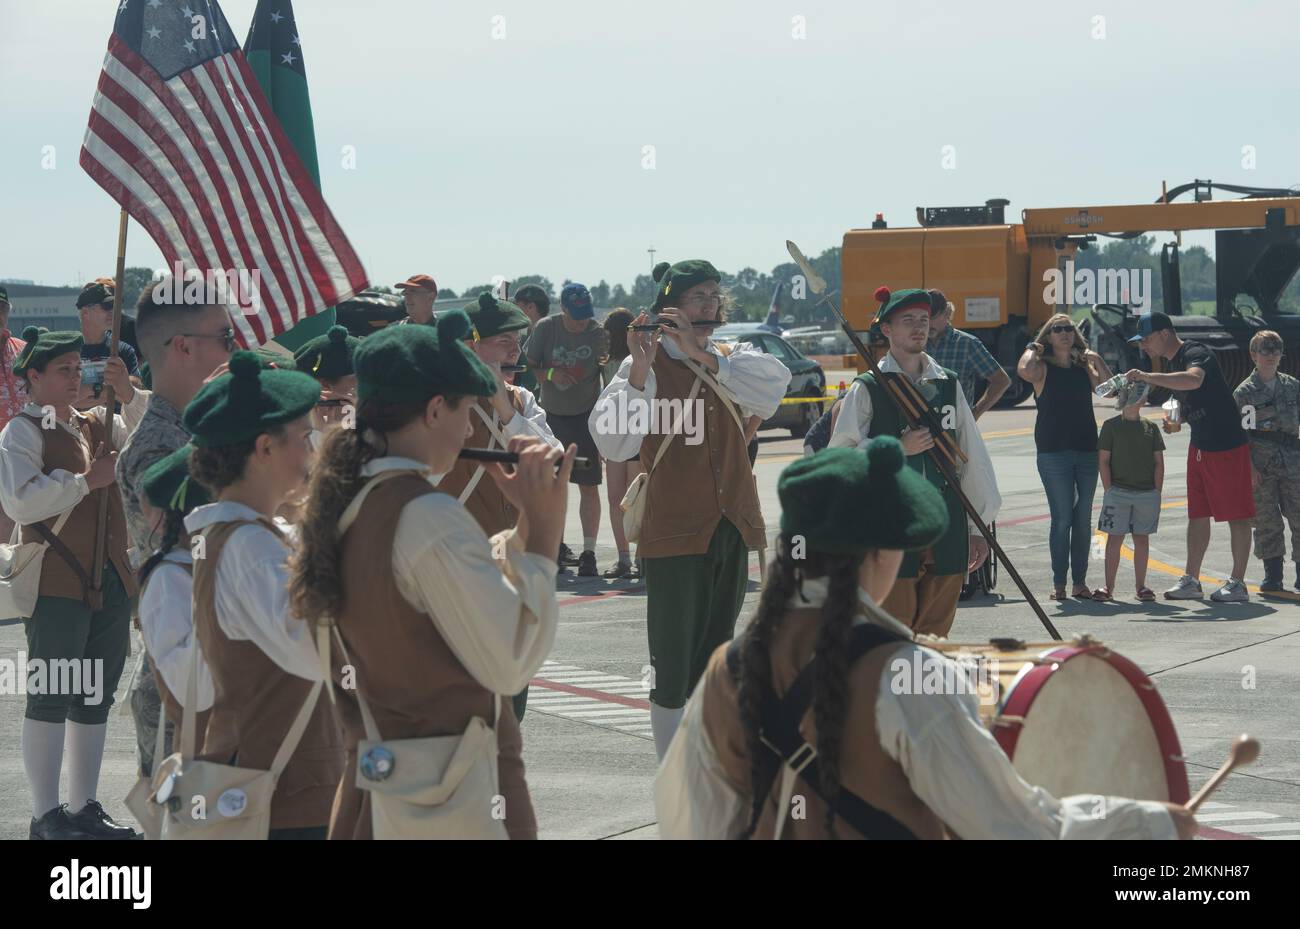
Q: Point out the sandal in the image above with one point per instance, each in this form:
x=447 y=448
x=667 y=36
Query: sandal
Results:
x=1146 y=594
x=1102 y=595
x=1058 y=594
x=1081 y=592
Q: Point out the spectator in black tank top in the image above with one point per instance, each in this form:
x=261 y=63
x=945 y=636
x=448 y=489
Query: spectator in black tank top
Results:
x=1065 y=374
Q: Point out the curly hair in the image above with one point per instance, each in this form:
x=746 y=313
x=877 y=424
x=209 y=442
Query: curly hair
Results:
x=830 y=687
x=316 y=566
x=217 y=467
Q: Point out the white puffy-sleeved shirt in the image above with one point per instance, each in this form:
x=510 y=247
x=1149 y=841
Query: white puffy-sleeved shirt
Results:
x=252 y=590
x=978 y=481
x=755 y=380
x=531 y=422
x=167 y=622
x=952 y=763
x=27 y=495
x=498 y=616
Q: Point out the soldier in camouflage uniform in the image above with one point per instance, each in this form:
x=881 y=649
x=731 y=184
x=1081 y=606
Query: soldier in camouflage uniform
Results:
x=1270 y=409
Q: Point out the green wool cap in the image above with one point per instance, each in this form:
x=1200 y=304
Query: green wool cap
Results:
x=891 y=301
x=844 y=502
x=247 y=401
x=168 y=486
x=490 y=316
x=273 y=359
x=43 y=346
x=412 y=364
x=329 y=356
x=671 y=281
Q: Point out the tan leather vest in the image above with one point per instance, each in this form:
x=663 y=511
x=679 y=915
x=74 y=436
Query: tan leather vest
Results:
x=695 y=486
x=255 y=704
x=864 y=767
x=415 y=685
x=485 y=503
x=64 y=453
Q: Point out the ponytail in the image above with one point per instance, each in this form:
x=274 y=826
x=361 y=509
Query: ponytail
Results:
x=316 y=567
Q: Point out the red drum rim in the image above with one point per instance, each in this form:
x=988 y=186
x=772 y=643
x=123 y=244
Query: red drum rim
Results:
x=1027 y=685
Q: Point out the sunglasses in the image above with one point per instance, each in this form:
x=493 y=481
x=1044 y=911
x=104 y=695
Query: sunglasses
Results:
x=1057 y=330
x=227 y=337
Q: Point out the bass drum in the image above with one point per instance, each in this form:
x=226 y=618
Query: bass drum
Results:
x=1077 y=718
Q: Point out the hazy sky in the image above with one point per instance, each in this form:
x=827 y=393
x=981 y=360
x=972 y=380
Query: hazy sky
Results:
x=524 y=154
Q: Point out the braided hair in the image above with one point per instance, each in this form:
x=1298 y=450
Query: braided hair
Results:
x=173 y=529
x=830 y=687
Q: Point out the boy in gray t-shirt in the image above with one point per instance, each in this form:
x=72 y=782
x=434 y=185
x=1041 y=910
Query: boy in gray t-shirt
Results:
x=566 y=352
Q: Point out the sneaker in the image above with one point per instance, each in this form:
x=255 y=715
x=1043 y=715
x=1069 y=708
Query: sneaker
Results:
x=1232 y=592
x=622 y=569
x=1187 y=588
x=93 y=820
x=57 y=824
x=567 y=558
x=587 y=564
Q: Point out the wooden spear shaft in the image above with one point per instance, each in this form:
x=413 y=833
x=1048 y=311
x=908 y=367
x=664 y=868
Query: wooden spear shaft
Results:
x=110 y=401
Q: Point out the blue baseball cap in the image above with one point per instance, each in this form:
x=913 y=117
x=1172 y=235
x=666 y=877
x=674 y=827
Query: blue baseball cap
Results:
x=576 y=301
x=1151 y=322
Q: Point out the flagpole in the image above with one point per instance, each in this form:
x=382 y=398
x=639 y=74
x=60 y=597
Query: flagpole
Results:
x=110 y=401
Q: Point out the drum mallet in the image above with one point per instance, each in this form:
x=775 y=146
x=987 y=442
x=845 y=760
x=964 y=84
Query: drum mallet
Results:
x=1244 y=751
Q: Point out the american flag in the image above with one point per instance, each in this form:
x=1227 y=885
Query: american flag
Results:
x=182 y=137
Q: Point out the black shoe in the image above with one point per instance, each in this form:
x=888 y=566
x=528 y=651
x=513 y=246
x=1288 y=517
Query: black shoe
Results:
x=621 y=569
x=587 y=564
x=567 y=557
x=1273 y=581
x=1297 y=577
x=57 y=824
x=92 y=819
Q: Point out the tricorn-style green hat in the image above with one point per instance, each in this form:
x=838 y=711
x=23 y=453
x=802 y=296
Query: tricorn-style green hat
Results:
x=844 y=502
x=891 y=301
x=329 y=356
x=671 y=281
x=412 y=364
x=168 y=486
x=42 y=346
x=247 y=401
x=490 y=316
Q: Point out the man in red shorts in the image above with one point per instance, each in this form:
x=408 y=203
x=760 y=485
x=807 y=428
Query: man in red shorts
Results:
x=1219 y=472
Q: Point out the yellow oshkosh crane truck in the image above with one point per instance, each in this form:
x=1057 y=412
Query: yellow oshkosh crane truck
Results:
x=997 y=274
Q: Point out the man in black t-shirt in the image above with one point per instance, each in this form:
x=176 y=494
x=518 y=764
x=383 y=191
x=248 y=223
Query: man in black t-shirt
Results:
x=1220 y=475
x=95 y=307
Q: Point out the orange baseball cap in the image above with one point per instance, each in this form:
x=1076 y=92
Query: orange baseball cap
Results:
x=419 y=282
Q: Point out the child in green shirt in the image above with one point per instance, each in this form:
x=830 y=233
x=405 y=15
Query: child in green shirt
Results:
x=1131 y=462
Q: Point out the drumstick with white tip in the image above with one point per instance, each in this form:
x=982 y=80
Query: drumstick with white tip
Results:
x=1244 y=751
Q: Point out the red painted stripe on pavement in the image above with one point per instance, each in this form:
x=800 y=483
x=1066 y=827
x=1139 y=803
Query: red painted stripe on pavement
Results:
x=593 y=694
x=1209 y=832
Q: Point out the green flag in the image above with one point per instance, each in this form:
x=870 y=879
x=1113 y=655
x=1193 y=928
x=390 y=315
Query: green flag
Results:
x=274 y=53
